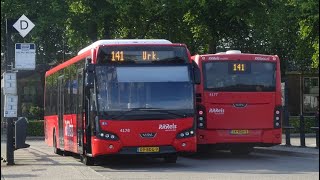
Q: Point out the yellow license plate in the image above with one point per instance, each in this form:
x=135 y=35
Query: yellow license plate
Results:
x=239 y=132
x=148 y=149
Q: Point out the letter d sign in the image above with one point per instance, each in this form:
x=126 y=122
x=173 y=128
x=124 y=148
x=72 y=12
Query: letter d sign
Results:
x=23 y=25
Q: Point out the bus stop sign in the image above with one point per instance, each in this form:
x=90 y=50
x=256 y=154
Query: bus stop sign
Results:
x=23 y=25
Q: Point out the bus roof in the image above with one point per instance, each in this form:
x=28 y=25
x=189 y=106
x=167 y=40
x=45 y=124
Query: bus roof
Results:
x=123 y=41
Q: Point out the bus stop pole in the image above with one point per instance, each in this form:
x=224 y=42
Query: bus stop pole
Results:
x=10 y=121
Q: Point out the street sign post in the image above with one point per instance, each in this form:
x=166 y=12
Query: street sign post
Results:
x=24 y=60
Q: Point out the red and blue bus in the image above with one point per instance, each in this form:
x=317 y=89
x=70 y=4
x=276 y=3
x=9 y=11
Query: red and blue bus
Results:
x=238 y=101
x=122 y=97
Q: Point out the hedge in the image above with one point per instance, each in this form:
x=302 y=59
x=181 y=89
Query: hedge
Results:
x=35 y=128
x=308 y=123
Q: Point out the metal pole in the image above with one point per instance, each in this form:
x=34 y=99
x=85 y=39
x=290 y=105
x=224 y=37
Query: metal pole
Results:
x=302 y=133
x=286 y=114
x=10 y=121
x=317 y=130
x=10 y=140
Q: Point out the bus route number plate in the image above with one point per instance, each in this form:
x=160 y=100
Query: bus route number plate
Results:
x=239 y=132
x=148 y=149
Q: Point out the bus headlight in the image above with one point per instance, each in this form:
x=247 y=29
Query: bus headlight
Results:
x=108 y=136
x=185 y=134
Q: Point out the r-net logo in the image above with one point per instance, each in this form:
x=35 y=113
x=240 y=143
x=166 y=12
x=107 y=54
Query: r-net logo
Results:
x=168 y=127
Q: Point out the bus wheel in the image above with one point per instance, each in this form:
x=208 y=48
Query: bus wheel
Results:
x=241 y=150
x=171 y=158
x=55 y=149
x=86 y=160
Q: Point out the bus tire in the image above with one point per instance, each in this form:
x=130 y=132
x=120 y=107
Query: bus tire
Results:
x=171 y=158
x=56 y=150
x=86 y=160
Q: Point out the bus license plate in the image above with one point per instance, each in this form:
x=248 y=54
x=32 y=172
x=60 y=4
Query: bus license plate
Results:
x=239 y=132
x=148 y=149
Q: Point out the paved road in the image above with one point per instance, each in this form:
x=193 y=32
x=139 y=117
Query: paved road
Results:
x=39 y=162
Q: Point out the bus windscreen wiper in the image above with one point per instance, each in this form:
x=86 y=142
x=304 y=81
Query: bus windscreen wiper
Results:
x=147 y=110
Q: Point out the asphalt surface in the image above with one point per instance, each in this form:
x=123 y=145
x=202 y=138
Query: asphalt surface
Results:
x=278 y=162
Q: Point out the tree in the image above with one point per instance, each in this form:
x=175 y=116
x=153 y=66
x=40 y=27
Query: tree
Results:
x=308 y=15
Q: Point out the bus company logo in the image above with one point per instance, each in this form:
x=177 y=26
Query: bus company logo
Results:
x=214 y=58
x=262 y=58
x=240 y=105
x=148 y=135
x=218 y=111
x=168 y=127
x=68 y=129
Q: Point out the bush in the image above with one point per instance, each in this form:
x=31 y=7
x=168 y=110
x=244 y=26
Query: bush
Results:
x=31 y=111
x=35 y=128
x=308 y=123
x=36 y=112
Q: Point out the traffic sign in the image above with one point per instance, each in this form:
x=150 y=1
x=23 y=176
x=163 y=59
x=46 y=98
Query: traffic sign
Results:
x=25 y=56
x=10 y=105
x=23 y=25
x=9 y=83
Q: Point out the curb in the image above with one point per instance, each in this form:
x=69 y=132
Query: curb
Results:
x=288 y=150
x=35 y=138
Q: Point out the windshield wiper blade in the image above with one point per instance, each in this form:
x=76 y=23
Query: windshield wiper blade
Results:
x=124 y=113
x=148 y=110
x=163 y=111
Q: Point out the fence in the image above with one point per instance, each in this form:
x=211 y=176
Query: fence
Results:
x=287 y=126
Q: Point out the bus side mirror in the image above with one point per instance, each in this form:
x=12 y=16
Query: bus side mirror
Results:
x=196 y=73
x=89 y=80
x=89 y=74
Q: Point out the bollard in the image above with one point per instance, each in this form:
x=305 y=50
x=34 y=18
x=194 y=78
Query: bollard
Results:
x=302 y=133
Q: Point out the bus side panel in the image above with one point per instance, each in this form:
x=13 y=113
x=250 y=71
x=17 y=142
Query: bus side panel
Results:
x=51 y=123
x=70 y=132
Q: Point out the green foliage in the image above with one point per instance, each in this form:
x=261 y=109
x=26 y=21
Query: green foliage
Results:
x=35 y=128
x=309 y=122
x=36 y=112
x=288 y=28
x=32 y=112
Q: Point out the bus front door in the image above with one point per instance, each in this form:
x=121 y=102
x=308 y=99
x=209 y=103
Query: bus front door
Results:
x=61 y=111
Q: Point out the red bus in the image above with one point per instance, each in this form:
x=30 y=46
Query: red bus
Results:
x=239 y=101
x=123 y=97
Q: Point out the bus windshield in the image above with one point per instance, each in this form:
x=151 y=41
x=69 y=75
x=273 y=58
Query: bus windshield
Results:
x=240 y=76
x=149 y=88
